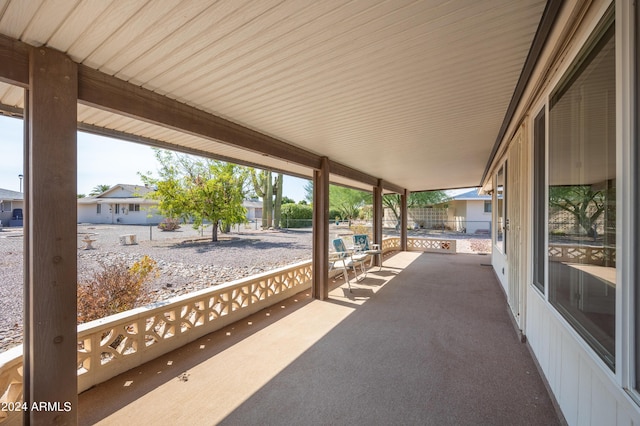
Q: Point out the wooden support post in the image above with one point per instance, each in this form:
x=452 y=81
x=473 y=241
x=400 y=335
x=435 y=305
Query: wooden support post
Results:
x=321 y=231
x=403 y=220
x=377 y=217
x=51 y=330
x=26 y=373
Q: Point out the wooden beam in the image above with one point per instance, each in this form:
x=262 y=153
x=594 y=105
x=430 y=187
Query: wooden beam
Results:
x=14 y=62
x=391 y=187
x=321 y=231
x=52 y=231
x=109 y=93
x=105 y=92
x=26 y=248
x=351 y=173
x=128 y=137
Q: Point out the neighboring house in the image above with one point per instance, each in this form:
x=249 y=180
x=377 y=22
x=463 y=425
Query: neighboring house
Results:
x=9 y=201
x=124 y=204
x=470 y=212
x=254 y=209
x=127 y=205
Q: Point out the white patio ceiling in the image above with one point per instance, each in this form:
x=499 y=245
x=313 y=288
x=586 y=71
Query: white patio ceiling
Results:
x=412 y=92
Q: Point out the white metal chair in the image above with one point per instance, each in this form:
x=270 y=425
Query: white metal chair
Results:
x=345 y=260
x=362 y=241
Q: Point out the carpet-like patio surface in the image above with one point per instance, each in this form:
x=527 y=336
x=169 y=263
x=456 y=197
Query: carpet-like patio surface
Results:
x=426 y=341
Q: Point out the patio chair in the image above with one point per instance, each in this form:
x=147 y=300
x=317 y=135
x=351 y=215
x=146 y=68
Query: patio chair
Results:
x=362 y=241
x=346 y=259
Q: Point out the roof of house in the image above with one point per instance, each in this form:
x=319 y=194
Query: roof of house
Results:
x=470 y=195
x=8 y=195
x=136 y=191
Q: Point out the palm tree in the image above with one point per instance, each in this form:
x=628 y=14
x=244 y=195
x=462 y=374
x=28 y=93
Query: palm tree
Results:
x=99 y=189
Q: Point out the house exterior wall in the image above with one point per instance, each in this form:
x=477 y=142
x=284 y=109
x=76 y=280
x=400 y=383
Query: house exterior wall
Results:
x=477 y=219
x=87 y=213
x=587 y=389
x=7 y=211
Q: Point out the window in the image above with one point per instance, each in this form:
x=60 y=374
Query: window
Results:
x=501 y=210
x=117 y=209
x=5 y=206
x=487 y=206
x=581 y=199
x=539 y=205
x=134 y=207
x=98 y=208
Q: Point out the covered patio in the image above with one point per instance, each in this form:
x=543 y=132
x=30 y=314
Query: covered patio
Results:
x=427 y=340
x=387 y=97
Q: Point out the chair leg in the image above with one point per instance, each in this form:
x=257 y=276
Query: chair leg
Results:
x=363 y=268
x=346 y=278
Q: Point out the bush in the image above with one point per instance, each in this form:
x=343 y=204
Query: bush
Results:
x=361 y=229
x=335 y=214
x=169 y=224
x=115 y=288
x=296 y=215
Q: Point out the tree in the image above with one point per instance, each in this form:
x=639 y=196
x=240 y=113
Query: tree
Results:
x=267 y=187
x=202 y=190
x=80 y=195
x=416 y=199
x=99 y=189
x=287 y=200
x=583 y=202
x=263 y=187
x=308 y=191
x=347 y=201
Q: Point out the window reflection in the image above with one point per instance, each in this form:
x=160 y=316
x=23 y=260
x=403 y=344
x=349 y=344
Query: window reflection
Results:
x=500 y=203
x=581 y=198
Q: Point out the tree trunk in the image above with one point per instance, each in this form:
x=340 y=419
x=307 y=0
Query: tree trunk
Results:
x=277 y=207
x=268 y=201
x=214 y=232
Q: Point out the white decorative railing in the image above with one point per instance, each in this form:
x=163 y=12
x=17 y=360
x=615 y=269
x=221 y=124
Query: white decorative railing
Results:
x=390 y=244
x=112 y=345
x=433 y=245
x=592 y=255
x=115 y=344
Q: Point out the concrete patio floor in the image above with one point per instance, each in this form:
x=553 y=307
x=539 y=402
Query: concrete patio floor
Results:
x=427 y=340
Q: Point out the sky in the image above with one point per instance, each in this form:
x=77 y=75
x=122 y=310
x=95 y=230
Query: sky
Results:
x=101 y=161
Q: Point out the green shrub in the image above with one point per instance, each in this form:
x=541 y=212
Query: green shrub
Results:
x=296 y=215
x=335 y=214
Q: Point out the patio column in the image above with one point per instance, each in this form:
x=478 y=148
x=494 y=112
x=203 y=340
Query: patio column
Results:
x=377 y=217
x=51 y=250
x=403 y=220
x=321 y=231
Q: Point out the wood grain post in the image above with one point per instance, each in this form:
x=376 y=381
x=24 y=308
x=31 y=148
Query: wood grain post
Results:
x=403 y=219
x=377 y=218
x=321 y=231
x=50 y=326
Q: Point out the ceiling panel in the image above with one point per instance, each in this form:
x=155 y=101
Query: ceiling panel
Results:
x=412 y=92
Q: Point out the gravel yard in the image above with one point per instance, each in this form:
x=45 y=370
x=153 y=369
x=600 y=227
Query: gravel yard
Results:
x=187 y=260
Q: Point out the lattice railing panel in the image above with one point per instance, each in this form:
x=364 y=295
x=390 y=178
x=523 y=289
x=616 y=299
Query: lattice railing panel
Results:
x=10 y=382
x=439 y=245
x=592 y=255
x=390 y=244
x=112 y=345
